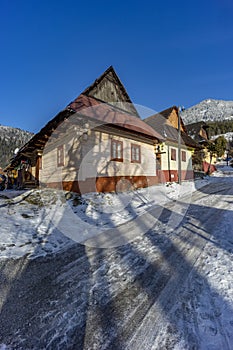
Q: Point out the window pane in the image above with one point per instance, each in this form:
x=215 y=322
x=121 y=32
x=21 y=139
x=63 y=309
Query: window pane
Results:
x=60 y=156
x=135 y=153
x=114 y=153
x=183 y=156
x=173 y=154
x=117 y=150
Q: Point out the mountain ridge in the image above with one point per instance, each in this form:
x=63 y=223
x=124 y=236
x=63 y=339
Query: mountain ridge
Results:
x=208 y=110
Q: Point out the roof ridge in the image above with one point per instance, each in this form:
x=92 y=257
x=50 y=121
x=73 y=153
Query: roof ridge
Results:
x=162 y=112
x=88 y=91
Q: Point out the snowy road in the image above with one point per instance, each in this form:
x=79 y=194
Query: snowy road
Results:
x=171 y=288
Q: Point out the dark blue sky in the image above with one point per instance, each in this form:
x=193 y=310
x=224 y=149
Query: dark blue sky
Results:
x=165 y=53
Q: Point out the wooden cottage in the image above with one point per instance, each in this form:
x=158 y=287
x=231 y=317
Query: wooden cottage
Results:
x=198 y=131
x=97 y=143
x=167 y=124
x=202 y=159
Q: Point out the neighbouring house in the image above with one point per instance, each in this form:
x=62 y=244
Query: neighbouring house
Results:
x=198 y=131
x=169 y=154
x=202 y=160
x=97 y=143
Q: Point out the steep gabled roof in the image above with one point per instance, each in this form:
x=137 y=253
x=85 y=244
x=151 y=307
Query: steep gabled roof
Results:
x=198 y=131
x=109 y=89
x=161 y=122
x=94 y=103
x=109 y=115
x=89 y=107
x=167 y=114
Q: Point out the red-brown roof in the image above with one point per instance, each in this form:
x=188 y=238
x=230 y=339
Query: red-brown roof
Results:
x=89 y=107
x=108 y=114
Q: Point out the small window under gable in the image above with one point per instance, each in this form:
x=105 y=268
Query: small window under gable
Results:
x=60 y=155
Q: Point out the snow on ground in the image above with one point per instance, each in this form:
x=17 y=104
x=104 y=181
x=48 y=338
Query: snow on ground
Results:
x=223 y=170
x=38 y=222
x=25 y=226
x=208 y=296
x=170 y=289
x=228 y=136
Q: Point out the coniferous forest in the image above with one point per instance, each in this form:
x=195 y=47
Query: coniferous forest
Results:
x=219 y=127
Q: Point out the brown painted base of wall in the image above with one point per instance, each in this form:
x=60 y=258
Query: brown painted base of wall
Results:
x=120 y=183
x=106 y=184
x=172 y=175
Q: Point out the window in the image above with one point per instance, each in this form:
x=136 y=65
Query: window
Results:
x=183 y=156
x=117 y=150
x=40 y=162
x=173 y=154
x=60 y=155
x=135 y=153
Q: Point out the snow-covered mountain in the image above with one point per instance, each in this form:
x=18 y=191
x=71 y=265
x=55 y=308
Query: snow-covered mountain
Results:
x=228 y=136
x=208 y=110
x=10 y=139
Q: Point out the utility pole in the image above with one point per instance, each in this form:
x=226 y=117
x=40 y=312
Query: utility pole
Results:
x=179 y=146
x=227 y=157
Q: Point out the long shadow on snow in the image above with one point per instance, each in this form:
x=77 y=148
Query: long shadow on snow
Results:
x=45 y=301
x=161 y=282
x=149 y=276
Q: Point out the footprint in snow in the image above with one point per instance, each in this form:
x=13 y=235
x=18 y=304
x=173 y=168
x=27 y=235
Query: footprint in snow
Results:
x=27 y=216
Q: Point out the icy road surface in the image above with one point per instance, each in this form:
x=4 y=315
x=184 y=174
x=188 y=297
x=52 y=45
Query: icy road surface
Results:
x=170 y=288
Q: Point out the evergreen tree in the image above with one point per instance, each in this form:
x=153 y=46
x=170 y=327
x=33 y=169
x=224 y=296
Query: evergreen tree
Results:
x=220 y=146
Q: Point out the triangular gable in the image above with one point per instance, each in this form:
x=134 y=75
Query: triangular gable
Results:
x=173 y=117
x=166 y=124
x=198 y=131
x=109 y=89
x=168 y=117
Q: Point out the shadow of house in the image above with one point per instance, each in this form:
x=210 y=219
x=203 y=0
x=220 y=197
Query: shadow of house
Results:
x=149 y=291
